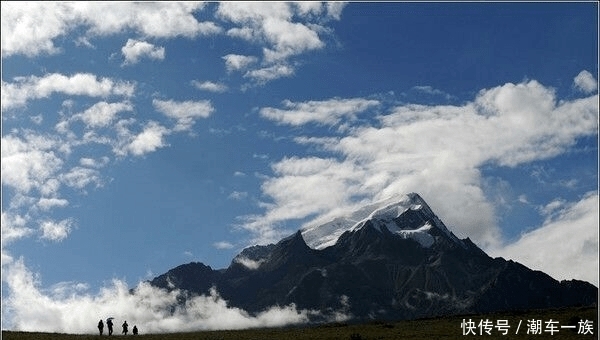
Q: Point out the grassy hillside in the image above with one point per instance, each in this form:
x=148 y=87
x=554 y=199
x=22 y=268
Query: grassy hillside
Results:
x=441 y=328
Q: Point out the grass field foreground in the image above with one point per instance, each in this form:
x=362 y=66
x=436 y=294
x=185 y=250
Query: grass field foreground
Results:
x=536 y=324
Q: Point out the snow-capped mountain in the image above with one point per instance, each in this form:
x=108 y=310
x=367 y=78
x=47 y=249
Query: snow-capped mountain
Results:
x=386 y=214
x=393 y=259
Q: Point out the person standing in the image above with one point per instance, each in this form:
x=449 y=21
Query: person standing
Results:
x=100 y=326
x=109 y=324
x=125 y=327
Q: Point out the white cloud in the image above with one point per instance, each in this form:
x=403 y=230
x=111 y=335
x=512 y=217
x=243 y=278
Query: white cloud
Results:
x=14 y=227
x=236 y=62
x=329 y=112
x=223 y=245
x=285 y=29
x=37 y=119
x=134 y=50
x=272 y=23
x=80 y=177
x=29 y=28
x=426 y=89
x=150 y=139
x=28 y=165
x=210 y=86
x=69 y=307
x=94 y=163
x=176 y=18
x=101 y=114
x=309 y=7
x=248 y=263
x=266 y=74
x=585 y=82
x=56 y=231
x=434 y=150
x=81 y=84
x=334 y=9
x=184 y=112
x=49 y=203
x=565 y=246
x=32 y=28
x=288 y=39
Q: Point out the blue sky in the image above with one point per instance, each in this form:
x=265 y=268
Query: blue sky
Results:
x=140 y=136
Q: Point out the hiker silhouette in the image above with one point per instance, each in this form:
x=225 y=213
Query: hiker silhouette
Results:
x=135 y=330
x=109 y=324
x=125 y=327
x=100 y=326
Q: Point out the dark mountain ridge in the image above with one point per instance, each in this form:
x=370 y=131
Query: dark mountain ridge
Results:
x=401 y=262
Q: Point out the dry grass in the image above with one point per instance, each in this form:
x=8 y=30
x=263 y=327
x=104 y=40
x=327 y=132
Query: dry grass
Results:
x=440 y=328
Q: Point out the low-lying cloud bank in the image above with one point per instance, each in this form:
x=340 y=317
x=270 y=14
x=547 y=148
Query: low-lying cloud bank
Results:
x=69 y=308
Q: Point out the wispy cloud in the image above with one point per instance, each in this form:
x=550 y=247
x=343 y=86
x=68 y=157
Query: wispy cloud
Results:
x=328 y=112
x=238 y=195
x=223 y=245
x=210 y=86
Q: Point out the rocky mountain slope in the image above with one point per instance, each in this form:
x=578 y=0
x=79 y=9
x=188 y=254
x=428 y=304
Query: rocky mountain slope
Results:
x=393 y=260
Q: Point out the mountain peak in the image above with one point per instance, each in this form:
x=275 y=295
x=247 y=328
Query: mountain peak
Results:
x=392 y=259
x=408 y=216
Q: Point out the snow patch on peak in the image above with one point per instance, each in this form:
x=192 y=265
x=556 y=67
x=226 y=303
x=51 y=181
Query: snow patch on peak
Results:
x=389 y=212
x=420 y=235
x=324 y=235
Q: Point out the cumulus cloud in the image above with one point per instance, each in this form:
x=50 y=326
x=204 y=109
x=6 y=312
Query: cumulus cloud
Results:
x=585 y=82
x=29 y=163
x=236 y=62
x=134 y=50
x=150 y=139
x=23 y=89
x=436 y=150
x=184 y=112
x=282 y=30
x=32 y=29
x=101 y=114
x=56 y=231
x=70 y=307
x=566 y=245
x=286 y=29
